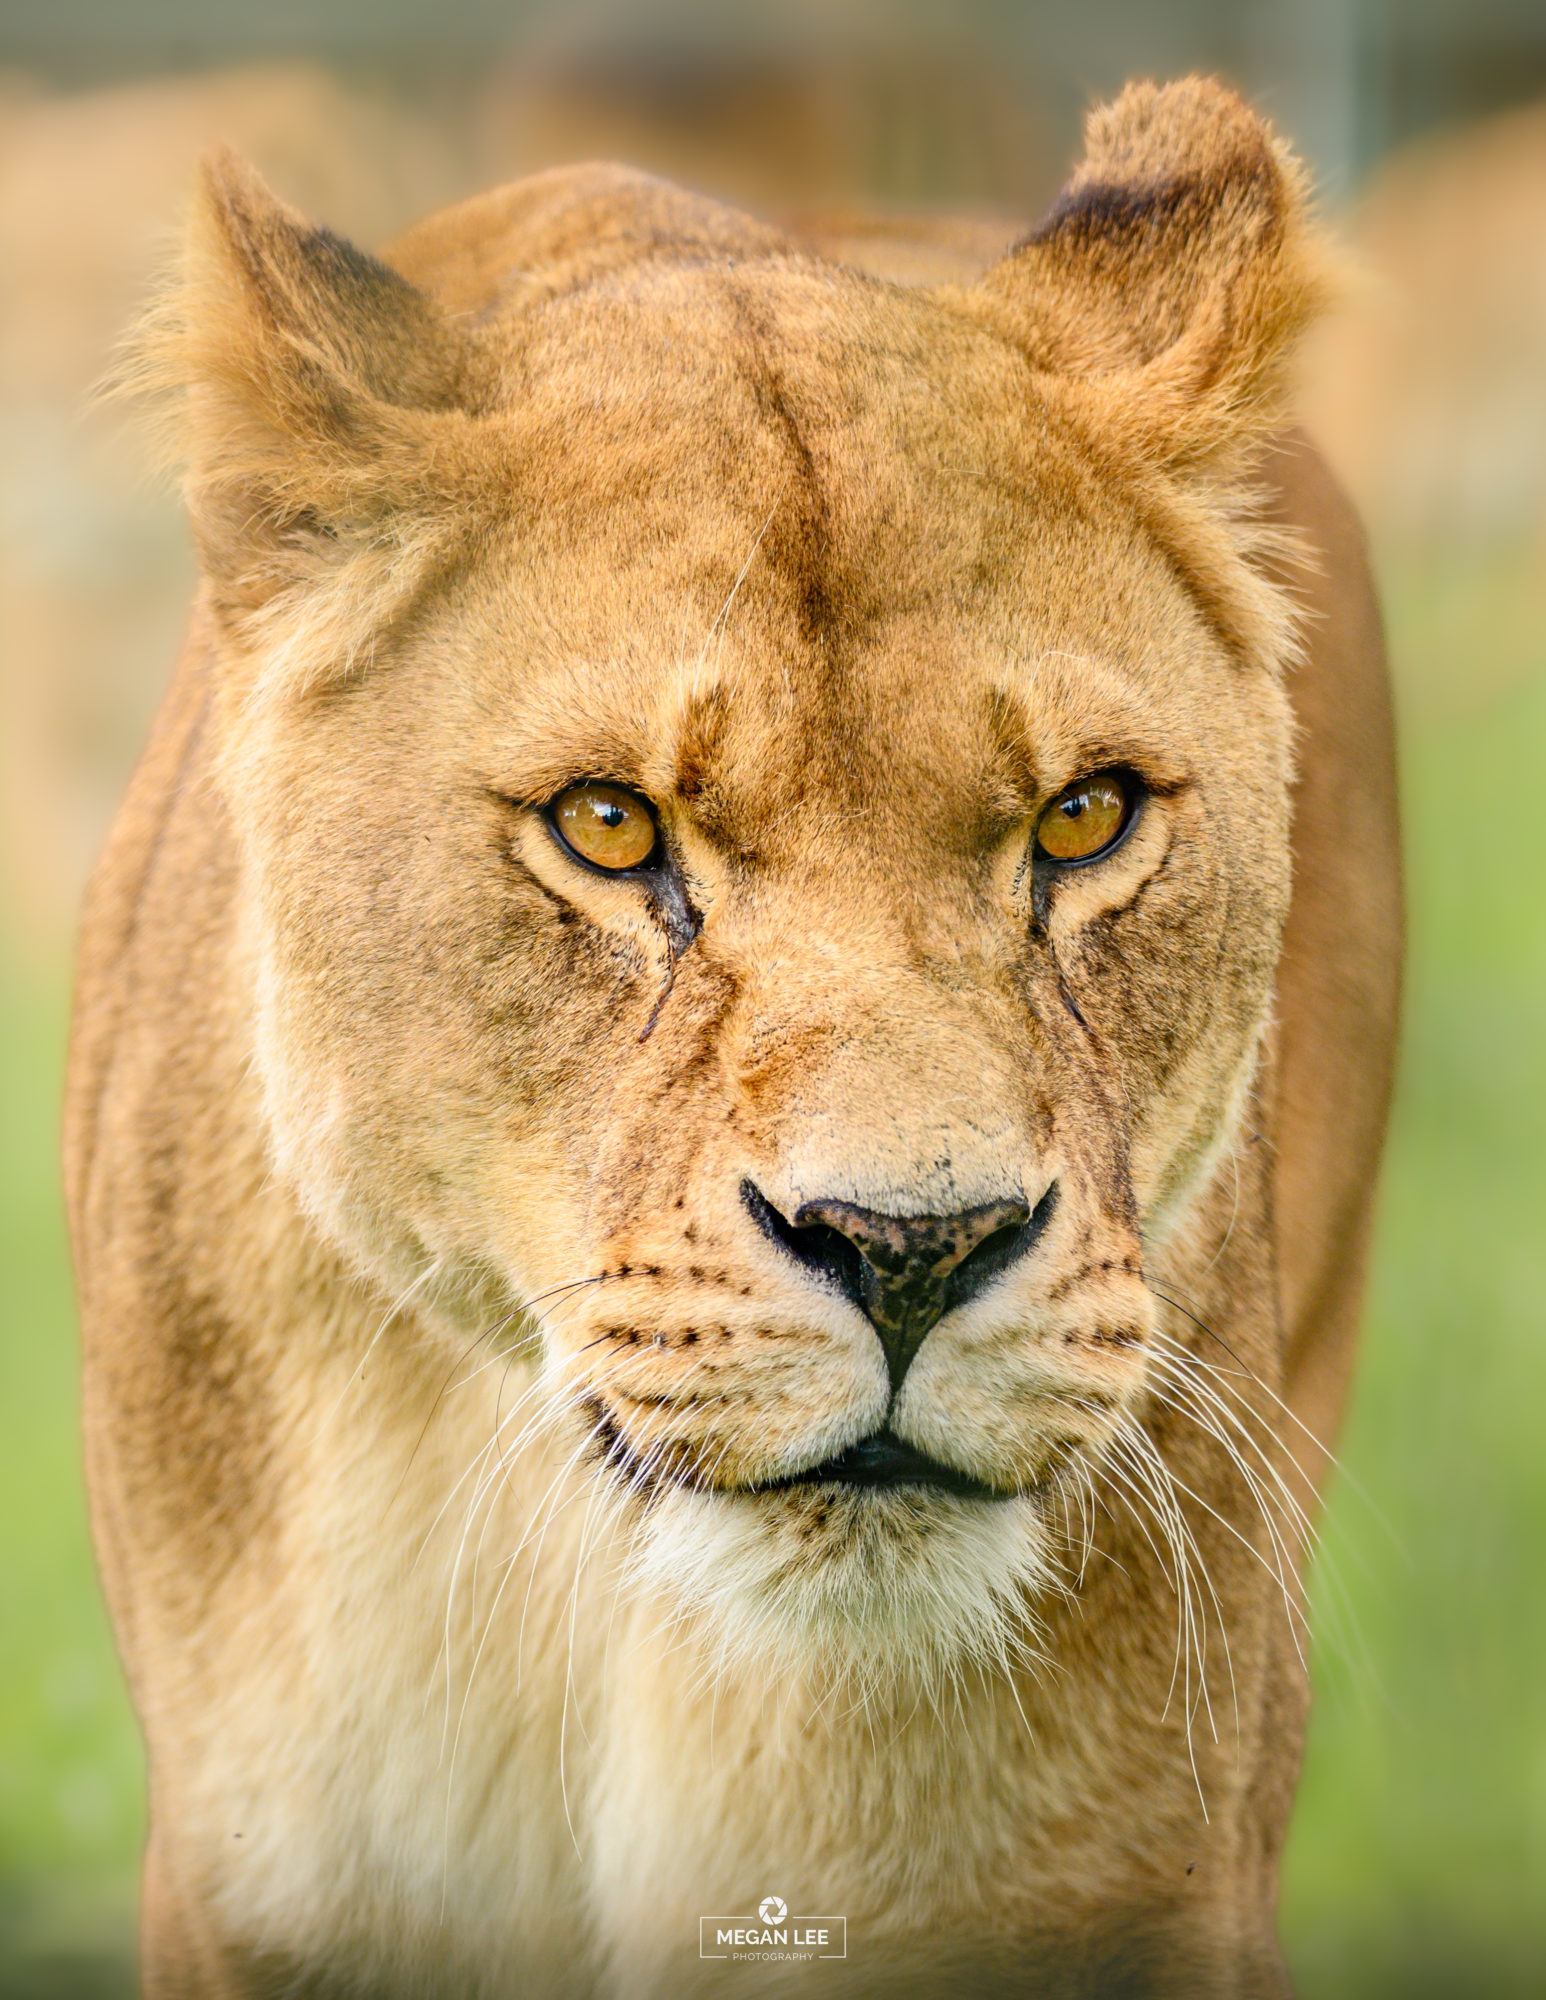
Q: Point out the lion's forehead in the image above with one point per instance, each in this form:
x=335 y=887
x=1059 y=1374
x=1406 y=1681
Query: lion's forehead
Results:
x=852 y=345
x=722 y=571
x=827 y=395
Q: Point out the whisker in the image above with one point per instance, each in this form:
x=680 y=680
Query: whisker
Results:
x=1155 y=1482
x=1282 y=1568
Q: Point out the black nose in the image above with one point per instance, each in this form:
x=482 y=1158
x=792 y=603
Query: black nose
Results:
x=905 y=1272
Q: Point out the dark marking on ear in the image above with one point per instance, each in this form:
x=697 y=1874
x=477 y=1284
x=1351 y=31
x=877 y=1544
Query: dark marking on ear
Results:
x=308 y=282
x=1109 y=210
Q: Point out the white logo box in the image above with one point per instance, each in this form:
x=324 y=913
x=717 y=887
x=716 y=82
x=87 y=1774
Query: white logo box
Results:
x=802 y=1937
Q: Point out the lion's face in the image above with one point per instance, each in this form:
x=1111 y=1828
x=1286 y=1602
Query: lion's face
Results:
x=821 y=1143
x=845 y=1116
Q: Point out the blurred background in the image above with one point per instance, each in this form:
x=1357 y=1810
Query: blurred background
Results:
x=1417 y=1864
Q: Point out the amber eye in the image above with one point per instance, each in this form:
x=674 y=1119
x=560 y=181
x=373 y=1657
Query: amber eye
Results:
x=1084 y=819
x=606 y=826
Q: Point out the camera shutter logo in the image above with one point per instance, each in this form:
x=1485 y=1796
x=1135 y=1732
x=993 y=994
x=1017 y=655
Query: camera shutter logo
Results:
x=772 y=1909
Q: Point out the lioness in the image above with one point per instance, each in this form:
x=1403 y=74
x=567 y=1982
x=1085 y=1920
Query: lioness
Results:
x=719 y=1168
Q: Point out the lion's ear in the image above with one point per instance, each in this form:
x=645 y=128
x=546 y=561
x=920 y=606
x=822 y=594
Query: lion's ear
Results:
x=1163 y=294
x=306 y=386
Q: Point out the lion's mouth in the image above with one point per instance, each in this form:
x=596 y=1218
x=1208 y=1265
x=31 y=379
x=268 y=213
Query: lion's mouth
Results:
x=885 y=1460
x=879 y=1462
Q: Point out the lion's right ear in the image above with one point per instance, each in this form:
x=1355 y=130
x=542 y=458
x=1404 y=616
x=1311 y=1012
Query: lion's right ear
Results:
x=308 y=390
x=1162 y=298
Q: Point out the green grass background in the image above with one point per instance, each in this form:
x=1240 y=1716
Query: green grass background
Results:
x=1417 y=1866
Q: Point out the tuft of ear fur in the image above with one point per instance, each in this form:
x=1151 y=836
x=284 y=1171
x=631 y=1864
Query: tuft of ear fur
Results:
x=308 y=392
x=1160 y=304
x=1173 y=276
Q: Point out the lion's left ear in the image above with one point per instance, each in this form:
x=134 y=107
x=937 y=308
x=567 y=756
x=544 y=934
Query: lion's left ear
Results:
x=1162 y=296
x=322 y=409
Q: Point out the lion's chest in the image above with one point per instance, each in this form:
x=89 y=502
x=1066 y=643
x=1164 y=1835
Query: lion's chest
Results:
x=475 y=1762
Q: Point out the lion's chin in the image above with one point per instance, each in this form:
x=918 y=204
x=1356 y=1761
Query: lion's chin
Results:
x=905 y=1587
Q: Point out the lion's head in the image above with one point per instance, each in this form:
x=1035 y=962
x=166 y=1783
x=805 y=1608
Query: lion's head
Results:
x=763 y=800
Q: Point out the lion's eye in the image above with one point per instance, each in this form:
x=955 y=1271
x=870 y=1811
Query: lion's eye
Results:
x=1084 y=819
x=606 y=826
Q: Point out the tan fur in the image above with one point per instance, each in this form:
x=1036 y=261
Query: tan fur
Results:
x=435 y=1362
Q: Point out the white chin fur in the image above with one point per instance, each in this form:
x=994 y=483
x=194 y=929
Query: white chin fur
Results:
x=896 y=1588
